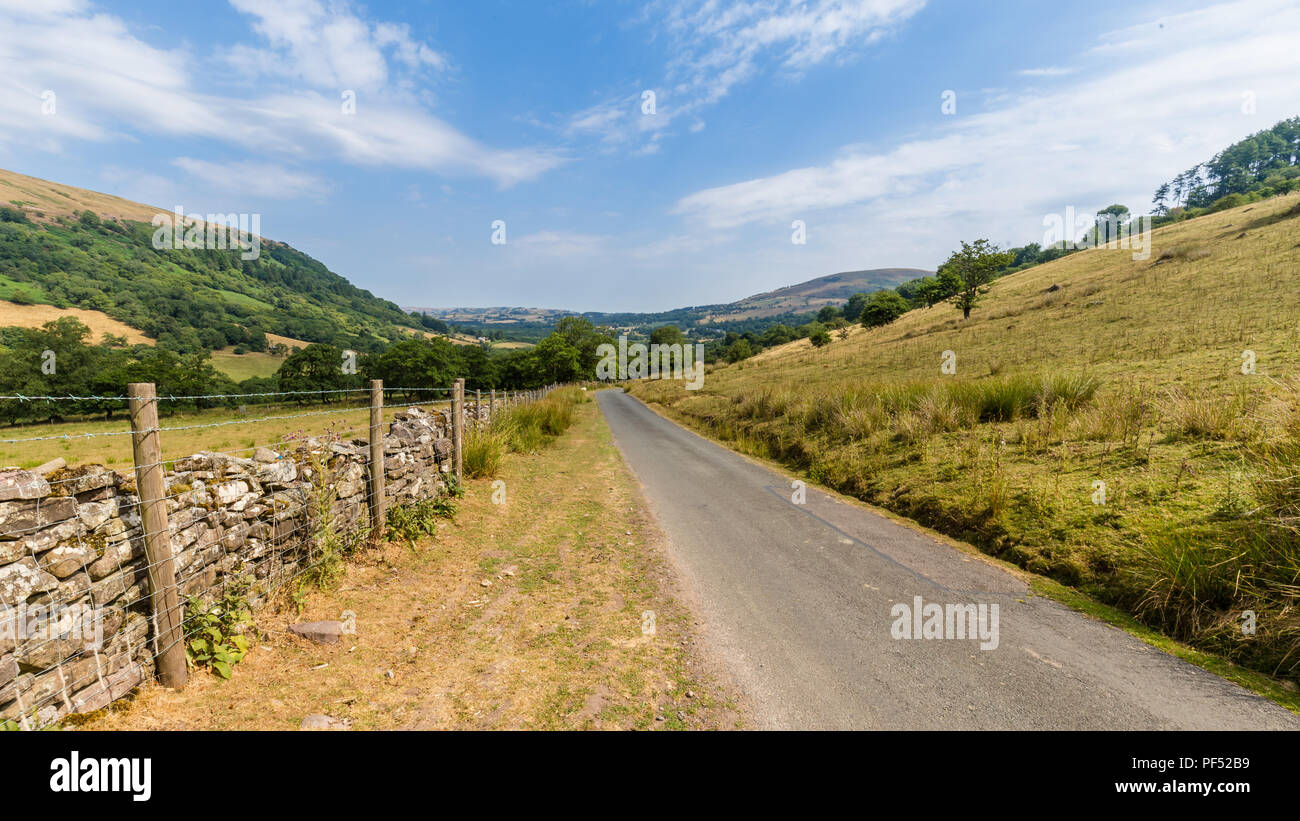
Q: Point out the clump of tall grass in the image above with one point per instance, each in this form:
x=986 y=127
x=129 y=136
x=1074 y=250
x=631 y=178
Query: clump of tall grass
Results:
x=1276 y=481
x=912 y=411
x=765 y=403
x=1116 y=416
x=1196 y=584
x=939 y=414
x=485 y=449
x=1197 y=581
x=1203 y=416
x=1184 y=252
x=1007 y=398
x=526 y=428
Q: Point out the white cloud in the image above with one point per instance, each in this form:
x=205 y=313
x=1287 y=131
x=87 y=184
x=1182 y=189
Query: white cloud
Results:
x=1114 y=133
x=254 y=179
x=718 y=45
x=329 y=47
x=559 y=244
x=109 y=84
x=1048 y=71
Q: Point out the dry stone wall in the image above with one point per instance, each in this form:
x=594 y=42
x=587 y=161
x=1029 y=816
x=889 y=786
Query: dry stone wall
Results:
x=76 y=629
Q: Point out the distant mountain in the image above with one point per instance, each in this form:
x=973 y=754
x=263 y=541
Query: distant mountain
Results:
x=70 y=247
x=831 y=289
x=804 y=297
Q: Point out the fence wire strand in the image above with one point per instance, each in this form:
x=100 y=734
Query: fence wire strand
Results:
x=285 y=554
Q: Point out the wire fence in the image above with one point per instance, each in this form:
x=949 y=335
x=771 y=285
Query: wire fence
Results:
x=107 y=579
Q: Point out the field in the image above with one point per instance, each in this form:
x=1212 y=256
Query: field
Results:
x=109 y=442
x=1103 y=426
x=237 y=366
x=242 y=366
x=34 y=316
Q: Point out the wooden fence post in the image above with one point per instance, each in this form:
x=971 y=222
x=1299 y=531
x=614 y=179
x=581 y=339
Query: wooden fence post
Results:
x=492 y=403
x=458 y=423
x=478 y=407
x=378 y=501
x=151 y=487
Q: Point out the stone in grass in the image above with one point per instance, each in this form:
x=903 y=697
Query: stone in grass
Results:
x=317 y=721
x=321 y=632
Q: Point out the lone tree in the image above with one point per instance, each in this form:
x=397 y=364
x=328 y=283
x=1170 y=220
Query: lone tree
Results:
x=970 y=271
x=882 y=308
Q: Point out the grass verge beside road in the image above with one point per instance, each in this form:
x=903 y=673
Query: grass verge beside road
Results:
x=524 y=614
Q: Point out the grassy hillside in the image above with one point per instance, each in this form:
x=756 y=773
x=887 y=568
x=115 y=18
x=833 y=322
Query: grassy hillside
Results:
x=1093 y=368
x=13 y=315
x=69 y=247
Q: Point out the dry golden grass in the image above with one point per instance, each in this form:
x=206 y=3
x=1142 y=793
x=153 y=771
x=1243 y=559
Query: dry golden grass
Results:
x=272 y=339
x=1175 y=320
x=1172 y=429
x=553 y=640
x=58 y=200
x=34 y=316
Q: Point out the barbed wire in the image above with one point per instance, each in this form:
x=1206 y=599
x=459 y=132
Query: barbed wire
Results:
x=161 y=429
x=171 y=397
x=287 y=556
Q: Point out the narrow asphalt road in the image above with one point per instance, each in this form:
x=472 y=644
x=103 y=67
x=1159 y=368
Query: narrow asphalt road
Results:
x=797 y=600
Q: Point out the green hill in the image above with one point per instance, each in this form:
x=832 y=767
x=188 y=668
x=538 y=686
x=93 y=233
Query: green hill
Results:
x=69 y=247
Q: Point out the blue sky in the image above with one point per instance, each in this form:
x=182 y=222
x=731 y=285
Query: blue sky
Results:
x=766 y=112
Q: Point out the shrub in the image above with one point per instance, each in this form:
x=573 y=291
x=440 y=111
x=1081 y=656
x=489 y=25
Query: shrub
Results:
x=214 y=635
x=414 y=520
x=525 y=429
x=882 y=308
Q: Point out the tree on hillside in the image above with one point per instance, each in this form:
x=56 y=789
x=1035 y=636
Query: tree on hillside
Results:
x=317 y=367
x=579 y=333
x=1265 y=162
x=929 y=293
x=414 y=363
x=970 y=270
x=1107 y=225
x=778 y=335
x=853 y=308
x=667 y=335
x=827 y=313
x=557 y=360
x=741 y=349
x=883 y=308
